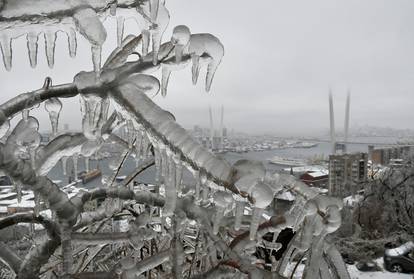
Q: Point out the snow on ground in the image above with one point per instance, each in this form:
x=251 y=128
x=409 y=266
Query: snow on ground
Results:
x=356 y=274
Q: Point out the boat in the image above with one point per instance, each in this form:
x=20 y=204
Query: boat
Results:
x=293 y=162
x=89 y=176
x=305 y=145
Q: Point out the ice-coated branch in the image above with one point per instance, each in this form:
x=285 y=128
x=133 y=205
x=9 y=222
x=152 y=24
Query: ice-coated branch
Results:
x=112 y=237
x=142 y=167
x=37 y=257
x=218 y=272
x=120 y=193
x=22 y=171
x=29 y=217
x=8 y=257
x=30 y=99
x=146 y=264
x=63 y=145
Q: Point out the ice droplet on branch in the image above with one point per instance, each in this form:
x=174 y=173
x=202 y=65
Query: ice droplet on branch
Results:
x=263 y=197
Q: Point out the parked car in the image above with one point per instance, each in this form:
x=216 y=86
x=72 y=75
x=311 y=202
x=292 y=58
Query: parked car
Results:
x=367 y=266
x=400 y=259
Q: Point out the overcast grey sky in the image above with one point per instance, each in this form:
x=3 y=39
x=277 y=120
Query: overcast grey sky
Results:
x=281 y=58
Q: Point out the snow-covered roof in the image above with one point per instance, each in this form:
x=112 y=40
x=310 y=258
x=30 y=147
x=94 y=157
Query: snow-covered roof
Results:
x=318 y=173
x=287 y=196
x=352 y=200
x=304 y=169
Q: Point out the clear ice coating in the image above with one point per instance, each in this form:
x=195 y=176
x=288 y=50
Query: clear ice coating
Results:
x=152 y=18
x=32 y=47
x=170 y=189
x=262 y=196
x=53 y=106
x=75 y=158
x=64 y=161
x=222 y=201
x=26 y=136
x=203 y=49
x=91 y=27
x=94 y=106
x=6 y=50
x=4 y=128
x=180 y=39
x=312 y=217
x=205 y=45
x=50 y=42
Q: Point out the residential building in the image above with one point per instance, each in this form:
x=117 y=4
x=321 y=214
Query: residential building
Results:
x=347 y=172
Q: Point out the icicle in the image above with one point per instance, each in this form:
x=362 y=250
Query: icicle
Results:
x=179 y=176
x=29 y=138
x=166 y=73
x=18 y=186
x=72 y=42
x=64 y=161
x=158 y=176
x=197 y=185
x=195 y=70
x=50 y=41
x=6 y=50
x=96 y=58
x=164 y=162
x=32 y=46
x=154 y=5
x=170 y=189
x=145 y=146
x=53 y=106
x=145 y=41
x=239 y=214
x=222 y=200
x=87 y=164
x=131 y=133
x=138 y=144
x=37 y=200
x=263 y=197
x=203 y=184
x=75 y=165
x=94 y=108
x=206 y=45
x=120 y=20
x=4 y=128
x=90 y=26
x=206 y=192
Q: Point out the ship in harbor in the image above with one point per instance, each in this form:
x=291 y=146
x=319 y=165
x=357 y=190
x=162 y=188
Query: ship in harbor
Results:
x=291 y=162
x=305 y=145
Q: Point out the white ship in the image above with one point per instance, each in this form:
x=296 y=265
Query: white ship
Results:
x=305 y=145
x=292 y=162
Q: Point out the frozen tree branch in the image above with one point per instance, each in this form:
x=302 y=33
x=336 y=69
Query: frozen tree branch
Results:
x=10 y=258
x=112 y=237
